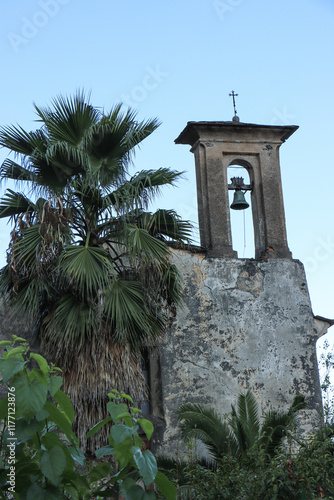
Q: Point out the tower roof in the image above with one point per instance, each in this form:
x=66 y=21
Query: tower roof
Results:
x=193 y=130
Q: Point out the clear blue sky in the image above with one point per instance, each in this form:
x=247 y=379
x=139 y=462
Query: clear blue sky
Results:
x=178 y=60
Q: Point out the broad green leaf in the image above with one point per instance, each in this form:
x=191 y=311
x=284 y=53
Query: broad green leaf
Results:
x=35 y=492
x=53 y=464
x=50 y=439
x=101 y=471
x=18 y=339
x=97 y=426
x=165 y=487
x=135 y=410
x=5 y=342
x=37 y=374
x=122 y=452
x=9 y=367
x=80 y=480
x=42 y=363
x=146 y=463
x=124 y=415
x=13 y=352
x=112 y=393
x=104 y=451
x=116 y=409
x=30 y=397
x=41 y=415
x=55 y=368
x=25 y=430
x=121 y=432
x=126 y=484
x=72 y=492
x=77 y=454
x=65 y=404
x=61 y=422
x=126 y=396
x=136 y=492
x=55 y=383
x=26 y=474
x=122 y=473
x=147 y=426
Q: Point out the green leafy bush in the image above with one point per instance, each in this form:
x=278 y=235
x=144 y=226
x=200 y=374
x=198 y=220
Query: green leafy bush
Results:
x=40 y=454
x=247 y=460
x=290 y=473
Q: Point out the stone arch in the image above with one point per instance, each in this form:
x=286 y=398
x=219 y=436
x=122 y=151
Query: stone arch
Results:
x=242 y=222
x=245 y=164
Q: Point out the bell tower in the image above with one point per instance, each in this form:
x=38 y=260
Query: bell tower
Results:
x=245 y=323
x=218 y=145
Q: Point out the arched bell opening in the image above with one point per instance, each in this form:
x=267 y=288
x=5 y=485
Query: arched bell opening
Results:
x=240 y=181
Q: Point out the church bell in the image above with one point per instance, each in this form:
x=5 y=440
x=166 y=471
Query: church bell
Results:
x=239 y=202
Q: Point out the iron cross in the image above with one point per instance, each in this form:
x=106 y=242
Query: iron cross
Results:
x=234 y=95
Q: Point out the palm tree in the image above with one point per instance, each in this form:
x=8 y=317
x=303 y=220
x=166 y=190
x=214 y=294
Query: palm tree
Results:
x=241 y=431
x=87 y=263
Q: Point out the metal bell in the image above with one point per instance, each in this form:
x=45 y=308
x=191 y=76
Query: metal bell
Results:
x=239 y=202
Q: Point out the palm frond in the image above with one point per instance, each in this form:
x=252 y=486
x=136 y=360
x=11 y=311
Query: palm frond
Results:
x=276 y=425
x=111 y=142
x=71 y=321
x=299 y=403
x=49 y=175
x=13 y=203
x=126 y=311
x=71 y=160
x=172 y=283
x=26 y=300
x=89 y=268
x=177 y=469
x=12 y=170
x=166 y=224
x=245 y=421
x=140 y=242
x=204 y=423
x=142 y=188
x=273 y=430
x=139 y=132
x=69 y=118
x=27 y=251
x=18 y=140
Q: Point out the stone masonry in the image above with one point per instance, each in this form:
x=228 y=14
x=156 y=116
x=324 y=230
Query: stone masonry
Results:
x=245 y=325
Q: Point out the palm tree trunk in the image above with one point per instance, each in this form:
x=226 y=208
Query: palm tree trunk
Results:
x=90 y=371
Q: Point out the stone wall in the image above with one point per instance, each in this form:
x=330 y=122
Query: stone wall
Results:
x=246 y=324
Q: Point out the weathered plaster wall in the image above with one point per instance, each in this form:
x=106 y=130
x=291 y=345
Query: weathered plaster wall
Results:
x=245 y=324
